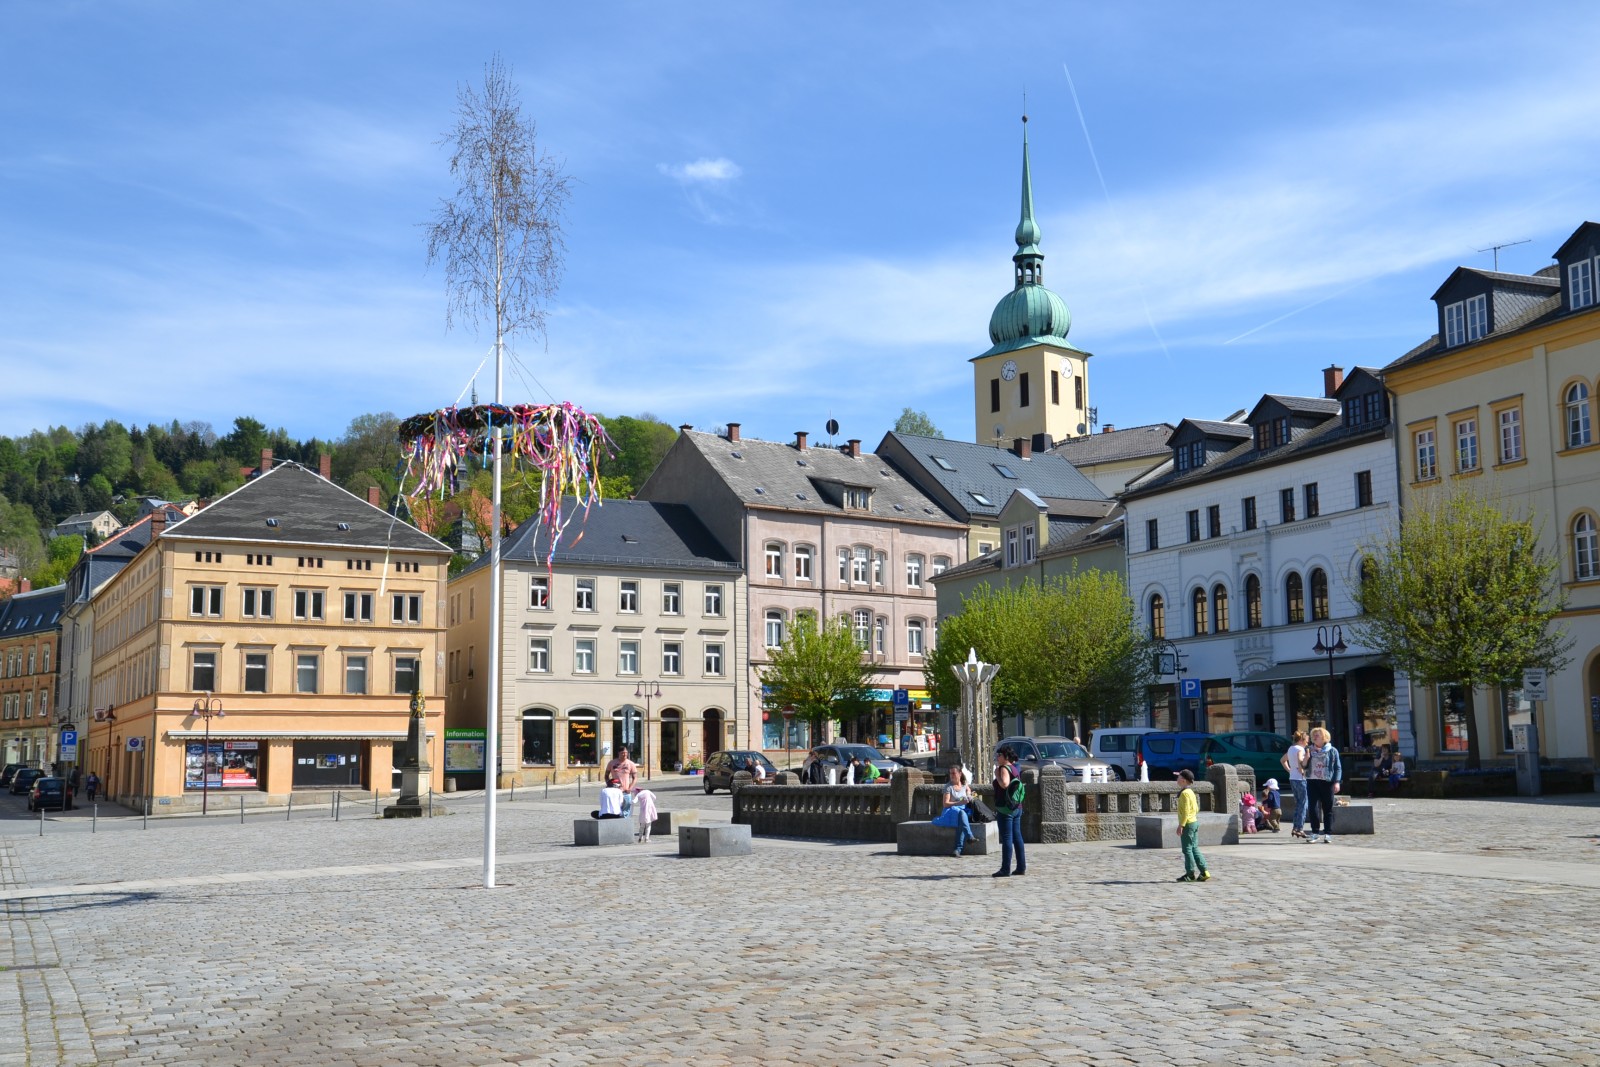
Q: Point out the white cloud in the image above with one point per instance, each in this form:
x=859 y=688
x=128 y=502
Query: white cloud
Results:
x=702 y=171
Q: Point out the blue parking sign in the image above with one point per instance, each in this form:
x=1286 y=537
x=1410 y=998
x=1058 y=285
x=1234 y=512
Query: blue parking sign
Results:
x=1189 y=688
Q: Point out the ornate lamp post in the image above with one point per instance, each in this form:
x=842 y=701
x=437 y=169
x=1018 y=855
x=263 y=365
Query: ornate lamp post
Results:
x=975 y=732
x=207 y=708
x=647 y=692
x=1330 y=643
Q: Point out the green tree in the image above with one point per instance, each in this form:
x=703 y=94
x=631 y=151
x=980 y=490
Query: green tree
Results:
x=916 y=423
x=1463 y=595
x=820 y=672
x=1072 y=646
x=641 y=441
x=62 y=553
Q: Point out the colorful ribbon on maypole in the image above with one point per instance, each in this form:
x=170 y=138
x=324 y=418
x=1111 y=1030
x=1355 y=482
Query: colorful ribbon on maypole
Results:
x=561 y=441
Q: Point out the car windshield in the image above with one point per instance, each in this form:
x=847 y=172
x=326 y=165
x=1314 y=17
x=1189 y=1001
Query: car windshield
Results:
x=860 y=752
x=1061 y=750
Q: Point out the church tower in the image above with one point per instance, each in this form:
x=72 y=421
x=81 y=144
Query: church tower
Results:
x=1032 y=380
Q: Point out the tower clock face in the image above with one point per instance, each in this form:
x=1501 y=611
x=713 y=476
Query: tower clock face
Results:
x=1009 y=371
x=1066 y=367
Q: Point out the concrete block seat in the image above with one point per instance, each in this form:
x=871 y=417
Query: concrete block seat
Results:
x=705 y=842
x=1353 y=819
x=1161 y=831
x=602 y=831
x=926 y=839
x=667 y=822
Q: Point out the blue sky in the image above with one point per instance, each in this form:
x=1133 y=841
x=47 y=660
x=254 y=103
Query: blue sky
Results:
x=781 y=212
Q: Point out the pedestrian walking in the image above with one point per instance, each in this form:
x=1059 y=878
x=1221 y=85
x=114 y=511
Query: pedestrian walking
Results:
x=1008 y=793
x=1194 y=864
x=644 y=811
x=1323 y=772
x=92 y=784
x=1294 y=761
x=956 y=798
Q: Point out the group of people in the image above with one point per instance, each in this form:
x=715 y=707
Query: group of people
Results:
x=1388 y=763
x=1264 y=812
x=621 y=797
x=961 y=808
x=1314 y=776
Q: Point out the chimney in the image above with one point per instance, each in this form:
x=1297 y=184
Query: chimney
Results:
x=1022 y=447
x=266 y=460
x=800 y=440
x=158 y=523
x=853 y=448
x=686 y=427
x=1042 y=443
x=25 y=585
x=1108 y=428
x=373 y=494
x=325 y=467
x=733 y=432
x=1332 y=378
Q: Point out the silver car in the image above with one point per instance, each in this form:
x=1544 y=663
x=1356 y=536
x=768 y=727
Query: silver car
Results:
x=1073 y=759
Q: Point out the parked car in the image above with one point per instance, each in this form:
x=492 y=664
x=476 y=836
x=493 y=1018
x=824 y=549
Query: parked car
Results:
x=22 y=781
x=1073 y=759
x=1166 y=752
x=9 y=773
x=826 y=759
x=1119 y=746
x=1262 y=750
x=50 y=793
x=722 y=766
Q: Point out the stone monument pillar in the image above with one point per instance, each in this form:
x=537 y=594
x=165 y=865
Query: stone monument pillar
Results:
x=415 y=769
x=975 y=730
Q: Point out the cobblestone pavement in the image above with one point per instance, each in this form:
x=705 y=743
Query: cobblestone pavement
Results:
x=1464 y=932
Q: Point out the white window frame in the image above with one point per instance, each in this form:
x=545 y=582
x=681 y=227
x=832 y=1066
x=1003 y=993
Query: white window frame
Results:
x=802 y=563
x=1013 y=547
x=914 y=570
x=302 y=661
x=205 y=601
x=1510 y=422
x=1477 y=317
x=1576 y=402
x=257 y=601
x=1027 y=544
x=538 y=594
x=939 y=566
x=774 y=552
x=1585 y=549
x=861 y=628
x=583 y=591
x=774 y=629
x=713 y=659
x=1467 y=445
x=538 y=655
x=712 y=600
x=860 y=557
x=310 y=604
x=915 y=633
x=405 y=609
x=628 y=656
x=672 y=658
x=628 y=596
x=583 y=655
x=672 y=598
x=1425 y=452
x=357 y=605
x=844 y=565
x=1580 y=284
x=364 y=670
x=1455 y=323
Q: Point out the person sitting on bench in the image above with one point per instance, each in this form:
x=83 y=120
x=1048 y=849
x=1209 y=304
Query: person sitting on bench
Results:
x=612 y=802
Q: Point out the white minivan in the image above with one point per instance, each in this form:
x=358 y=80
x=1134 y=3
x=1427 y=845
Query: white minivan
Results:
x=1119 y=746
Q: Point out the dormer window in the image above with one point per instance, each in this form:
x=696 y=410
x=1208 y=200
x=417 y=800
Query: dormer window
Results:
x=1190 y=455
x=1280 y=430
x=1580 y=284
x=857 y=499
x=1466 y=320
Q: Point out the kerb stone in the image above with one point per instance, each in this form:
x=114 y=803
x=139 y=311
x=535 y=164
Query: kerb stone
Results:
x=707 y=842
x=602 y=831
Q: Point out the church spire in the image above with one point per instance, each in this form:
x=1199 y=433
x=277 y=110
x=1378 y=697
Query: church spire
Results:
x=1028 y=259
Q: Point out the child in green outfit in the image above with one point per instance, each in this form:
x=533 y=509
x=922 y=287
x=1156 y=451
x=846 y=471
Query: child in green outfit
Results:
x=1194 y=864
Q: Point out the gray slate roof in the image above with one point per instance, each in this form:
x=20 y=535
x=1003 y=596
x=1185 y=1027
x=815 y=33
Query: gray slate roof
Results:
x=308 y=511
x=767 y=474
x=1049 y=474
x=1135 y=442
x=641 y=534
x=1065 y=540
x=32 y=612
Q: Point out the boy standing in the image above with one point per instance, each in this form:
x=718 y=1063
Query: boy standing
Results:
x=1194 y=864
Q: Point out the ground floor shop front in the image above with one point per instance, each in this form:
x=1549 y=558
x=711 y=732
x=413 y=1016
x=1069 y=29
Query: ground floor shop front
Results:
x=542 y=743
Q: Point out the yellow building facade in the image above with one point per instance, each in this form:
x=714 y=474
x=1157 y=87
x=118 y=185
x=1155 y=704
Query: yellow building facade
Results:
x=301 y=616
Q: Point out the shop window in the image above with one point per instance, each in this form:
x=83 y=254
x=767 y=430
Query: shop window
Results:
x=583 y=740
x=538 y=738
x=1219 y=707
x=1452 y=710
x=1512 y=703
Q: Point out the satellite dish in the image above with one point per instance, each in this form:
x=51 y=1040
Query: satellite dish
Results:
x=1082 y=429
x=999 y=430
x=833 y=427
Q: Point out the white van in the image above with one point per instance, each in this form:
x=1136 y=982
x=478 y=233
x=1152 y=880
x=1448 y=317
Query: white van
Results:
x=1119 y=746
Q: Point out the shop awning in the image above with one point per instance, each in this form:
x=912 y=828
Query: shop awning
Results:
x=1311 y=670
x=294 y=735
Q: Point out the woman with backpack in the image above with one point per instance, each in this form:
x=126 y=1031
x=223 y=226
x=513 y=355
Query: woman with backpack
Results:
x=1008 y=793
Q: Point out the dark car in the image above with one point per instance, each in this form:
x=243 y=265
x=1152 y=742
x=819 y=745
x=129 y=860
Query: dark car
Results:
x=22 y=781
x=9 y=773
x=826 y=760
x=1261 y=750
x=1073 y=759
x=50 y=793
x=722 y=766
x=1166 y=752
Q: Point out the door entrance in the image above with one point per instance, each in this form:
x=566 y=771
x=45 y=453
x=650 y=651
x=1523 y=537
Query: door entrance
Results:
x=671 y=747
x=712 y=739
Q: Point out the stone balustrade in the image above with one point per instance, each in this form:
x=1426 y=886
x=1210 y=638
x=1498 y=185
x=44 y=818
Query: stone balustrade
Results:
x=830 y=812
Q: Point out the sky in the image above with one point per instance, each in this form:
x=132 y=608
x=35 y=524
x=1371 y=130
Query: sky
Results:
x=781 y=213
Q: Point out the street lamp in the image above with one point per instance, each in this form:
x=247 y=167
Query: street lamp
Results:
x=643 y=691
x=1170 y=661
x=1330 y=643
x=207 y=708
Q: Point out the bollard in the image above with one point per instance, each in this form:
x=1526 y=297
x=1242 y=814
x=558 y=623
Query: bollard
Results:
x=513 y=787
x=374 y=800
x=335 y=805
x=580 y=785
x=547 y=787
x=430 y=802
x=41 y=822
x=94 y=818
x=145 y=813
x=288 y=810
x=241 y=810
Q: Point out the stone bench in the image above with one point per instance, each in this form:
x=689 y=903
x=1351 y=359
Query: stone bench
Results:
x=703 y=842
x=1353 y=819
x=1161 y=831
x=926 y=839
x=602 y=831
x=668 y=822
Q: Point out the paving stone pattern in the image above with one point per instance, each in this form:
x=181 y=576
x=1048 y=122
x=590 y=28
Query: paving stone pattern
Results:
x=1463 y=932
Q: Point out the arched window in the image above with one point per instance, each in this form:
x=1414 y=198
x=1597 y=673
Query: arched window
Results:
x=1577 y=403
x=1294 y=597
x=774 y=628
x=802 y=563
x=1252 y=603
x=774 y=560
x=880 y=635
x=538 y=737
x=863 y=629
x=1219 y=607
x=914 y=636
x=583 y=738
x=1319 y=594
x=1585 y=548
x=1197 y=602
x=1158 y=616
